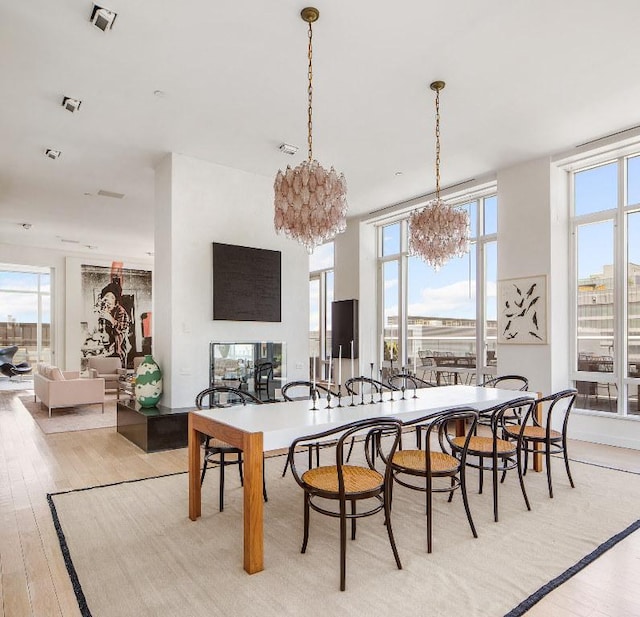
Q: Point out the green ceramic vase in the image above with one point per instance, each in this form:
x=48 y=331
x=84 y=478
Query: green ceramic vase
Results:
x=148 y=382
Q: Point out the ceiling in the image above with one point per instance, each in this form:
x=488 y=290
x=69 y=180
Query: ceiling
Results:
x=524 y=79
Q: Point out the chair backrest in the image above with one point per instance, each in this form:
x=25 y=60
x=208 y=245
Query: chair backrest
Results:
x=410 y=382
x=304 y=389
x=552 y=405
x=508 y=382
x=104 y=365
x=234 y=397
x=389 y=427
x=518 y=408
x=443 y=425
x=354 y=384
x=263 y=372
x=7 y=353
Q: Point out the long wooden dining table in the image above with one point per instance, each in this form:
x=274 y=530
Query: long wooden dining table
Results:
x=260 y=428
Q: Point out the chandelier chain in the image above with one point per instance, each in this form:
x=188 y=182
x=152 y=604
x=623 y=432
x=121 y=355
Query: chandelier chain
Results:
x=437 y=144
x=310 y=97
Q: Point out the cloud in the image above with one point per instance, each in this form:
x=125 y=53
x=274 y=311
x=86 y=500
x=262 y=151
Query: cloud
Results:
x=448 y=301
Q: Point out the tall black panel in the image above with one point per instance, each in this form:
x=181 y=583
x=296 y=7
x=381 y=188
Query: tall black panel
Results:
x=344 y=327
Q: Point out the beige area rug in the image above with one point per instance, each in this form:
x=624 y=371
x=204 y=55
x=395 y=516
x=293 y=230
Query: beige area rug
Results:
x=62 y=420
x=132 y=551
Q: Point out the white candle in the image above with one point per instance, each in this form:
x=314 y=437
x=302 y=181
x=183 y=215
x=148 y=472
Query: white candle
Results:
x=329 y=384
x=382 y=350
x=339 y=365
x=352 y=373
x=313 y=358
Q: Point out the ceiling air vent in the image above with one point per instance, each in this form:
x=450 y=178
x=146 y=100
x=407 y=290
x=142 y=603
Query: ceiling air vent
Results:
x=110 y=194
x=52 y=154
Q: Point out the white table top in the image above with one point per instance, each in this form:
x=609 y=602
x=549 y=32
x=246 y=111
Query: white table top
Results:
x=281 y=423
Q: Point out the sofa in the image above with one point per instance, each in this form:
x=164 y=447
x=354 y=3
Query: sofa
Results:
x=56 y=388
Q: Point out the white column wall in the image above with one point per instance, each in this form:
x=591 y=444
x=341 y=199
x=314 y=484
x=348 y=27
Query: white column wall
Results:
x=199 y=203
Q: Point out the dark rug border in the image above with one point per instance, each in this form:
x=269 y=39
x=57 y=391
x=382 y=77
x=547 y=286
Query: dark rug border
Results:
x=518 y=611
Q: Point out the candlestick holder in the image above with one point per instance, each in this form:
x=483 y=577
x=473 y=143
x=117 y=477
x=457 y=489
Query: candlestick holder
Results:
x=403 y=387
x=371 y=402
x=339 y=396
x=328 y=400
x=313 y=399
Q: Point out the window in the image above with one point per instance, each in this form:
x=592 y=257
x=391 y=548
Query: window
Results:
x=431 y=319
x=605 y=201
x=25 y=298
x=321 y=263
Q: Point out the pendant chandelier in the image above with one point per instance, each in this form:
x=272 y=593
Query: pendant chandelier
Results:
x=438 y=232
x=310 y=202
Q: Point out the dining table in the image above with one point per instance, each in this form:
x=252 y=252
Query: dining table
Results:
x=257 y=429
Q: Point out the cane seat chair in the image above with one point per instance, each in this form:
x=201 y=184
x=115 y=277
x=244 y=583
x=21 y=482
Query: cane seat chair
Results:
x=215 y=450
x=506 y=382
x=417 y=469
x=345 y=485
x=493 y=453
x=359 y=386
x=539 y=437
x=409 y=381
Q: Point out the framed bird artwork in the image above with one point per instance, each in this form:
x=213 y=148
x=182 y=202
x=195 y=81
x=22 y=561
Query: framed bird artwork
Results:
x=522 y=310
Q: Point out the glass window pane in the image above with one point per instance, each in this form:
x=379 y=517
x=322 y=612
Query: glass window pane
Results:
x=442 y=318
x=390 y=315
x=599 y=396
x=491 y=215
x=322 y=257
x=633 y=293
x=491 y=301
x=18 y=281
x=329 y=300
x=314 y=318
x=633 y=180
x=596 y=289
x=391 y=239
x=596 y=189
x=633 y=398
x=472 y=211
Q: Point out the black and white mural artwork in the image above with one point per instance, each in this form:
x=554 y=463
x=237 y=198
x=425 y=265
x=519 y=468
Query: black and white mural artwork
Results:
x=116 y=312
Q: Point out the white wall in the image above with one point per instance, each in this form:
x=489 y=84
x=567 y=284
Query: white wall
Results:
x=198 y=203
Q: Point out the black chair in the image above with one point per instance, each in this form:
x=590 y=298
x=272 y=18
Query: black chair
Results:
x=409 y=381
x=342 y=483
x=432 y=462
x=262 y=377
x=358 y=386
x=295 y=390
x=493 y=453
x=7 y=366
x=508 y=382
x=540 y=437
x=214 y=447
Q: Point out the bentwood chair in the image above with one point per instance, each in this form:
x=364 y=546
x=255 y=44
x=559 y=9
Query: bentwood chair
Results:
x=342 y=484
x=362 y=385
x=418 y=469
x=215 y=450
x=263 y=376
x=540 y=437
x=409 y=381
x=493 y=453
x=506 y=382
x=295 y=390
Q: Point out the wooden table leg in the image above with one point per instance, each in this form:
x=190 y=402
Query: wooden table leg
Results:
x=195 y=501
x=253 y=503
x=537 y=456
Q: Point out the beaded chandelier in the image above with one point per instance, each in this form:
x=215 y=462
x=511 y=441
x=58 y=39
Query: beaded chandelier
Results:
x=438 y=232
x=310 y=202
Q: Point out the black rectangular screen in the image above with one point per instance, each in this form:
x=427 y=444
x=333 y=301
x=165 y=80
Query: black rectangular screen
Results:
x=246 y=283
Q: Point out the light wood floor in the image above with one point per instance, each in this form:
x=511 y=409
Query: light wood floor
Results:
x=33 y=577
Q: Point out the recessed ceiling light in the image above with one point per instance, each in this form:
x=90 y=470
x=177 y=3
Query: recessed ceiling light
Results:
x=159 y=93
x=150 y=253
x=398 y=173
x=25 y=225
x=288 y=149
x=102 y=18
x=91 y=246
x=52 y=154
x=70 y=104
